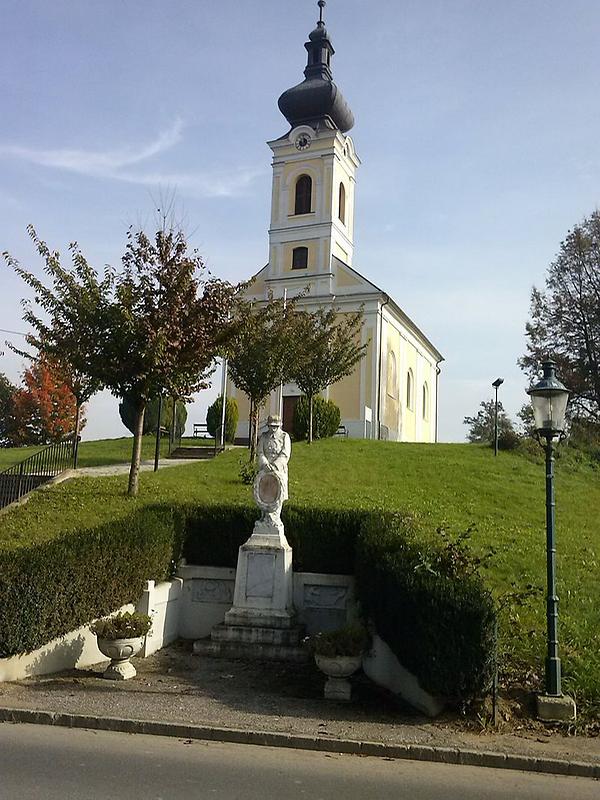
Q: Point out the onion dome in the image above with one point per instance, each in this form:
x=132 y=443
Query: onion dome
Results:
x=317 y=99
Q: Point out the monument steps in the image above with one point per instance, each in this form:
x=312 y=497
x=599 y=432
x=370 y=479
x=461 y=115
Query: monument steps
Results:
x=288 y=637
x=254 y=651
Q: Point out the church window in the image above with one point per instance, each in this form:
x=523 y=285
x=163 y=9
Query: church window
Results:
x=409 y=390
x=425 y=401
x=303 y=195
x=300 y=258
x=342 y=203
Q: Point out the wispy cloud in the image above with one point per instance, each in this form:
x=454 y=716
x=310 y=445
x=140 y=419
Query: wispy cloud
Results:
x=120 y=164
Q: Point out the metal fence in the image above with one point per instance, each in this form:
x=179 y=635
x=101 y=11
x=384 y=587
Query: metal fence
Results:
x=22 y=478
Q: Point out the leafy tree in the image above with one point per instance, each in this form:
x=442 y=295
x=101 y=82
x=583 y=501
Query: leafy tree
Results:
x=481 y=426
x=261 y=352
x=156 y=326
x=327 y=350
x=127 y=414
x=44 y=410
x=326 y=418
x=168 y=323
x=7 y=391
x=69 y=334
x=214 y=415
x=565 y=318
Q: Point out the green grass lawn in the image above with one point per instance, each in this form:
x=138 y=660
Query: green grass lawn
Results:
x=457 y=487
x=101 y=452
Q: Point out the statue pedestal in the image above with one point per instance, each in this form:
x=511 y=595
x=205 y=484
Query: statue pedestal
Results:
x=263 y=581
x=261 y=623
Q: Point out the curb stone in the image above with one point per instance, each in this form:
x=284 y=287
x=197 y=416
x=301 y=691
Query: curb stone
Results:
x=413 y=752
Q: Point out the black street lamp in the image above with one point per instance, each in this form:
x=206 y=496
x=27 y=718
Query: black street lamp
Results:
x=498 y=382
x=549 y=400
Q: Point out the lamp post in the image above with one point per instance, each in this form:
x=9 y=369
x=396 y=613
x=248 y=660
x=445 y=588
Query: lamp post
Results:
x=549 y=400
x=498 y=382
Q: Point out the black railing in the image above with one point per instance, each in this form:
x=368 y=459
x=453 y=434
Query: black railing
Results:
x=27 y=475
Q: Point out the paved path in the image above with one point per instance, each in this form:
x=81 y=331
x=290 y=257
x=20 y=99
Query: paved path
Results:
x=122 y=469
x=38 y=763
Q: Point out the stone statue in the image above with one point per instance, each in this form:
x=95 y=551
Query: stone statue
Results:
x=271 y=483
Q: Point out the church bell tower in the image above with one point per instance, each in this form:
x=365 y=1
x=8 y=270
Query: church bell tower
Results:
x=314 y=167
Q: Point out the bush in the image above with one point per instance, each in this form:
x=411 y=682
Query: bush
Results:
x=508 y=439
x=351 y=640
x=122 y=626
x=52 y=587
x=326 y=418
x=127 y=414
x=430 y=607
x=214 y=415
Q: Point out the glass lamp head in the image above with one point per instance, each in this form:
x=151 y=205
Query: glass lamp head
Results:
x=549 y=401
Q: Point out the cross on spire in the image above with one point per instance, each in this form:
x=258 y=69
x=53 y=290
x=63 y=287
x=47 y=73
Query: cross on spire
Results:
x=321 y=4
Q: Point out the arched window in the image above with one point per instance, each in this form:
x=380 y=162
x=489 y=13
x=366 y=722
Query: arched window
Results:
x=300 y=258
x=409 y=390
x=392 y=376
x=303 y=201
x=342 y=204
x=425 y=401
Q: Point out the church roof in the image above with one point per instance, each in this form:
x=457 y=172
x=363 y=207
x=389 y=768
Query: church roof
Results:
x=402 y=316
x=365 y=286
x=317 y=100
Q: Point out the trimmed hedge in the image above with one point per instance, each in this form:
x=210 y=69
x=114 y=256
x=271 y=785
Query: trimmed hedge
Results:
x=425 y=599
x=53 y=587
x=435 y=614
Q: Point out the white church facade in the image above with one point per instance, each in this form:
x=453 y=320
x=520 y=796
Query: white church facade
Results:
x=393 y=393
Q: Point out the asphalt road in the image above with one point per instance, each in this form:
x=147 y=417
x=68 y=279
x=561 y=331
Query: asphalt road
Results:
x=45 y=763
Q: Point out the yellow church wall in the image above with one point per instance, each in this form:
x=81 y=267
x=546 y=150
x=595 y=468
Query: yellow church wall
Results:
x=409 y=421
x=346 y=395
x=390 y=388
x=242 y=401
x=275 y=199
x=343 y=278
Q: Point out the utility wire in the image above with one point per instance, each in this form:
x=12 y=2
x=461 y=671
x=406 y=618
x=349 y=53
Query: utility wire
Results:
x=16 y=333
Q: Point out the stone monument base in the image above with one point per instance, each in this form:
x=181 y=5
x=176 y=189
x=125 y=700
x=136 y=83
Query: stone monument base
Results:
x=261 y=623
x=253 y=642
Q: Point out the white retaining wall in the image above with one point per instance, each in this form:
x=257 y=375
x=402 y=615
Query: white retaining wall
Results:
x=188 y=606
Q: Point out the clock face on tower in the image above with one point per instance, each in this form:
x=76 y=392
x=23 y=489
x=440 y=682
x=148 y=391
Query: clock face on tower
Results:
x=302 y=141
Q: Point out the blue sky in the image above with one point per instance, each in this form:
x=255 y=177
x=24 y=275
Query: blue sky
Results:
x=477 y=123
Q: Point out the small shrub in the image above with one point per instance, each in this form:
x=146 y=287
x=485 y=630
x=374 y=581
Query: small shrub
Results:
x=351 y=640
x=508 y=439
x=326 y=418
x=214 y=415
x=248 y=471
x=124 y=625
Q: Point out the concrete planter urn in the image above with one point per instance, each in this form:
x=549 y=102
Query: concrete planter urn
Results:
x=119 y=638
x=338 y=669
x=120 y=651
x=339 y=654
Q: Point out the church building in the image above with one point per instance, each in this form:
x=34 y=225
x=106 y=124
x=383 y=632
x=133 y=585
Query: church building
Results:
x=393 y=393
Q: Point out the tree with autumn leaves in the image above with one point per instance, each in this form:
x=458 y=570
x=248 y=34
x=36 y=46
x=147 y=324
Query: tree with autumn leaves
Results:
x=42 y=411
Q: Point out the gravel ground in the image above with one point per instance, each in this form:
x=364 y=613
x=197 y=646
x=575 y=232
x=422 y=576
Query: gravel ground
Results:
x=175 y=686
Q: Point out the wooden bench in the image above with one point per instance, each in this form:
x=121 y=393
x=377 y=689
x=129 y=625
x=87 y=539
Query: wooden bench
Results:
x=201 y=431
